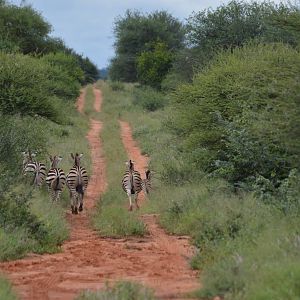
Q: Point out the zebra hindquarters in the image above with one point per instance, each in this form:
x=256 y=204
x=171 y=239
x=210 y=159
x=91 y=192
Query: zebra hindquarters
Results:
x=56 y=181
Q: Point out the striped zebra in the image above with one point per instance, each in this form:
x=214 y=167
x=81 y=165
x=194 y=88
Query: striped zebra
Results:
x=34 y=167
x=77 y=182
x=56 y=178
x=132 y=183
x=146 y=183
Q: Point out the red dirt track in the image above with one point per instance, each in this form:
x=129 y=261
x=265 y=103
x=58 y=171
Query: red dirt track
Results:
x=88 y=261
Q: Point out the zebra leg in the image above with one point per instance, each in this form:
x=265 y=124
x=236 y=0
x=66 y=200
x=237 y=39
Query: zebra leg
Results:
x=136 y=200
x=130 y=202
x=74 y=203
x=80 y=202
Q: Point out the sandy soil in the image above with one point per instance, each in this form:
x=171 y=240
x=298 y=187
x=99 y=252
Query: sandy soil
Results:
x=88 y=261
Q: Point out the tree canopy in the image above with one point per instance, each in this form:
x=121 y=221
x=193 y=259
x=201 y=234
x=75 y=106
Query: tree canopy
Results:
x=134 y=32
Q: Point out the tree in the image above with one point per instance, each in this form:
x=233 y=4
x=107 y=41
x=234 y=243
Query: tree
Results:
x=23 y=27
x=134 y=32
x=153 y=65
x=233 y=25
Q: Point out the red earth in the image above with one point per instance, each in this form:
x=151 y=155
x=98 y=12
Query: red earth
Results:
x=88 y=261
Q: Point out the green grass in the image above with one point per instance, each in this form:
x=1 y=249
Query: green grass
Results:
x=120 y=291
x=246 y=249
x=89 y=103
x=112 y=218
x=6 y=292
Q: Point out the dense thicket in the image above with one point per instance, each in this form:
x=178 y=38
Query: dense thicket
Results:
x=135 y=33
x=229 y=26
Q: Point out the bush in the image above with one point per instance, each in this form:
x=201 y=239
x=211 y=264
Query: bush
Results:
x=117 y=86
x=239 y=117
x=24 y=87
x=17 y=135
x=148 y=98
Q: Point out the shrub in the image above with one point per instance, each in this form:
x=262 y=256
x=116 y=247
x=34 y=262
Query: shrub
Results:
x=120 y=291
x=239 y=117
x=148 y=98
x=117 y=85
x=24 y=87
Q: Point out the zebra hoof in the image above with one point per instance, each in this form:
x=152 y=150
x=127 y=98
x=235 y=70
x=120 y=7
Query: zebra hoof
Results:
x=80 y=207
x=130 y=208
x=75 y=211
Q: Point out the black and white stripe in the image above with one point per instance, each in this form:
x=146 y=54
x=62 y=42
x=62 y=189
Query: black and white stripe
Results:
x=77 y=182
x=56 y=178
x=132 y=183
x=34 y=167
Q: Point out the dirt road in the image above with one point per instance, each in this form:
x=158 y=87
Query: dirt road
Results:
x=88 y=261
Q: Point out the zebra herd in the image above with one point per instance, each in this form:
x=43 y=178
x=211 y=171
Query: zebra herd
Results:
x=77 y=179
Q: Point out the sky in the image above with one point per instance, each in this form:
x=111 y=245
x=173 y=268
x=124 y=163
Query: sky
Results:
x=87 y=25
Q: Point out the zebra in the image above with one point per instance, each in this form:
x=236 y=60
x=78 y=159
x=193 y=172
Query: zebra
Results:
x=56 y=178
x=146 y=183
x=31 y=166
x=132 y=183
x=77 y=182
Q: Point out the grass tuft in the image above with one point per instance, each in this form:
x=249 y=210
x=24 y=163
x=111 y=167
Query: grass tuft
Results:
x=120 y=291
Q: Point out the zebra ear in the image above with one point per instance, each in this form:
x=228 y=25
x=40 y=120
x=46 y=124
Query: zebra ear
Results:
x=72 y=155
x=80 y=155
x=50 y=156
x=59 y=158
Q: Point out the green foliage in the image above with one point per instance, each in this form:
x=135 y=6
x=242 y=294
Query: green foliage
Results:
x=239 y=117
x=66 y=63
x=117 y=85
x=23 y=27
x=91 y=72
x=233 y=25
x=24 y=82
x=6 y=292
x=16 y=136
x=120 y=291
x=154 y=64
x=134 y=32
x=29 y=225
x=148 y=98
x=65 y=76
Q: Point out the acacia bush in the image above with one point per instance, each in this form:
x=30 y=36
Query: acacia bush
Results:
x=240 y=118
x=24 y=86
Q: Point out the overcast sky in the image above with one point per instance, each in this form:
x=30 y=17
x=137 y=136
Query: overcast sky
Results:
x=87 y=25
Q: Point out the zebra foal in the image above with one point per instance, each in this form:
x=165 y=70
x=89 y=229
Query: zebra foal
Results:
x=56 y=178
x=77 y=182
x=132 y=183
x=34 y=167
